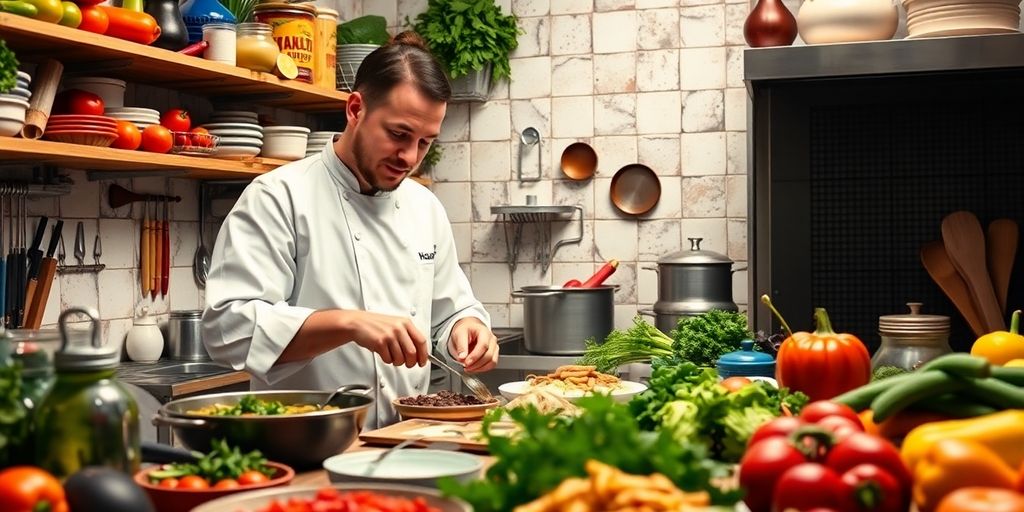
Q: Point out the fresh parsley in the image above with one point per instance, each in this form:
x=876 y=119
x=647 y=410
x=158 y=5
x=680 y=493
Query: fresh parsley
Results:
x=466 y=35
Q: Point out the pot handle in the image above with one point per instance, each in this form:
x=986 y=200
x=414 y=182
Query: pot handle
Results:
x=519 y=293
x=160 y=419
x=647 y=312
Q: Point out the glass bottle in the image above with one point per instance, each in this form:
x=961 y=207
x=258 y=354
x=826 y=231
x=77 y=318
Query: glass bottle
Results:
x=255 y=47
x=88 y=419
x=910 y=340
x=34 y=351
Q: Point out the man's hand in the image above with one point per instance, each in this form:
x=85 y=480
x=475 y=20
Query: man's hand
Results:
x=395 y=338
x=474 y=345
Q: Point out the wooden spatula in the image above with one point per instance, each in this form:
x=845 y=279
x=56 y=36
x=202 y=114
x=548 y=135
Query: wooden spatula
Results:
x=1001 y=249
x=938 y=265
x=965 y=243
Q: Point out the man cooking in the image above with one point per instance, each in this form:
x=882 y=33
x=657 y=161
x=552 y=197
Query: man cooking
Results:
x=337 y=270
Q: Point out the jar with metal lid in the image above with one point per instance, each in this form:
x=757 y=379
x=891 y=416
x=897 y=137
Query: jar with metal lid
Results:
x=33 y=351
x=910 y=340
x=255 y=48
x=88 y=418
x=294 y=29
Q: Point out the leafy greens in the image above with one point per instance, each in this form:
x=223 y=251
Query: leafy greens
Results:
x=369 y=29
x=466 y=35
x=8 y=68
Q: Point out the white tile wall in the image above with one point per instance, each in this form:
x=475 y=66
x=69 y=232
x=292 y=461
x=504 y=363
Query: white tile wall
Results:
x=572 y=75
x=657 y=70
x=615 y=32
x=615 y=73
x=572 y=116
x=570 y=35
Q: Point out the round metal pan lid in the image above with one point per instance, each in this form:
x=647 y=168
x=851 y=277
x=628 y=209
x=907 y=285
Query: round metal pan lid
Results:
x=913 y=323
x=695 y=256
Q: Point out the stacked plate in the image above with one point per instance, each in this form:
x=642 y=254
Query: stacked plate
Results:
x=235 y=116
x=935 y=18
x=317 y=141
x=81 y=129
x=349 y=57
x=237 y=139
x=142 y=117
x=13 y=105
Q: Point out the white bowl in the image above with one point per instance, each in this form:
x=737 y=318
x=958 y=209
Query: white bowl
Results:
x=24 y=76
x=13 y=108
x=239 y=141
x=235 y=132
x=233 y=126
x=132 y=110
x=236 y=151
x=11 y=127
x=421 y=468
x=267 y=130
x=19 y=92
x=627 y=390
x=284 y=146
x=110 y=89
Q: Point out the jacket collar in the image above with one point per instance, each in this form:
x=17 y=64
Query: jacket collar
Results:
x=341 y=173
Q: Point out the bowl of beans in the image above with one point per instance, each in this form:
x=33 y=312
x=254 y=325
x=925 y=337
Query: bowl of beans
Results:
x=443 y=405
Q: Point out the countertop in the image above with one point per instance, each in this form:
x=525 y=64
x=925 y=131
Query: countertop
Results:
x=167 y=379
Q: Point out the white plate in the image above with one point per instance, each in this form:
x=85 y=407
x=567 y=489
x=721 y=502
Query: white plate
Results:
x=133 y=110
x=24 y=76
x=298 y=130
x=412 y=467
x=235 y=126
x=236 y=151
x=228 y=132
x=240 y=141
x=626 y=390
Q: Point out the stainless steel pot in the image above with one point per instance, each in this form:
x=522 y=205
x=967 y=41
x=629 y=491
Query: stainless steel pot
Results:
x=185 y=336
x=558 y=321
x=301 y=441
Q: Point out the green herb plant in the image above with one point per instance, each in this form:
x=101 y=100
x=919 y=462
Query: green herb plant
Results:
x=221 y=462
x=369 y=29
x=704 y=338
x=8 y=68
x=241 y=9
x=639 y=343
x=466 y=35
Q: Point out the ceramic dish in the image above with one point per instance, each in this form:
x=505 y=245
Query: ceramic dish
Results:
x=235 y=132
x=238 y=141
x=258 y=500
x=183 y=500
x=85 y=138
x=19 y=92
x=233 y=126
x=626 y=390
x=110 y=89
x=451 y=413
x=133 y=110
x=419 y=467
x=10 y=127
x=24 y=76
x=233 y=151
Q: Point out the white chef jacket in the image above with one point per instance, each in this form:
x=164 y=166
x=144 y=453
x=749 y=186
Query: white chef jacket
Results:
x=302 y=238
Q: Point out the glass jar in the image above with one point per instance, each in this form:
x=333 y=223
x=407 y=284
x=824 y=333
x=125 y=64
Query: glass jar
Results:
x=33 y=350
x=910 y=340
x=255 y=48
x=294 y=29
x=88 y=418
x=221 y=38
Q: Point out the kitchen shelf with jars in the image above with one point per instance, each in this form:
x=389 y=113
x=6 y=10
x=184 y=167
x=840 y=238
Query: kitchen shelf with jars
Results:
x=56 y=116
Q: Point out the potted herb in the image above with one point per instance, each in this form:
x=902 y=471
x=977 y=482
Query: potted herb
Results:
x=357 y=38
x=473 y=40
x=8 y=68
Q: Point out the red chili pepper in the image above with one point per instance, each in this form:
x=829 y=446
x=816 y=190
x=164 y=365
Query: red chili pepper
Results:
x=194 y=49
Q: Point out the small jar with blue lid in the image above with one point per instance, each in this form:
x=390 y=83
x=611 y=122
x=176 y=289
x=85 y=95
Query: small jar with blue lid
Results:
x=746 y=363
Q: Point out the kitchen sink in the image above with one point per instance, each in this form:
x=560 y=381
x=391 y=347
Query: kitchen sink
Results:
x=189 y=369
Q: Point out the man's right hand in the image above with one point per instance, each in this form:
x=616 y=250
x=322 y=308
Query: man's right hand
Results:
x=396 y=339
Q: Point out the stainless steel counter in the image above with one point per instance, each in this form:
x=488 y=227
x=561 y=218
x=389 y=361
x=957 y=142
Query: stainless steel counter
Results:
x=168 y=379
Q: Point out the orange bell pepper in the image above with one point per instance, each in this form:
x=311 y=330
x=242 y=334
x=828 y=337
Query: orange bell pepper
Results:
x=897 y=426
x=982 y=499
x=30 y=489
x=953 y=464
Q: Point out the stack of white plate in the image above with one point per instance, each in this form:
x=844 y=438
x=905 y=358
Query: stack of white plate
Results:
x=349 y=57
x=935 y=18
x=142 y=117
x=237 y=139
x=317 y=141
x=14 y=104
x=235 y=116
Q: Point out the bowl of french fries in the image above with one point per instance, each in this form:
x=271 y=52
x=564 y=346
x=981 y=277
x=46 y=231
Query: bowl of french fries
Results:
x=573 y=382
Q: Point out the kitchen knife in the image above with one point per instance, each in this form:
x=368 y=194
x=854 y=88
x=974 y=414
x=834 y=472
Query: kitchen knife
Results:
x=35 y=254
x=47 y=271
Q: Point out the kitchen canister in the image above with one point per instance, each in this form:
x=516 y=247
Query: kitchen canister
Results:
x=325 y=72
x=294 y=29
x=221 y=39
x=185 y=336
x=847 y=21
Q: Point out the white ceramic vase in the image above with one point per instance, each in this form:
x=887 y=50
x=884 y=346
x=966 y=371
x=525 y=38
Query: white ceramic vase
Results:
x=847 y=21
x=145 y=342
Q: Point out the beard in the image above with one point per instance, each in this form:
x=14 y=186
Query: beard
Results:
x=365 y=168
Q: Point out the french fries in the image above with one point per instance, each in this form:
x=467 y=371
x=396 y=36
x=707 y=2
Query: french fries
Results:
x=610 y=490
x=583 y=378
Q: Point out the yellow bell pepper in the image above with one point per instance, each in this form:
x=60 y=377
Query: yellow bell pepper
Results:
x=1001 y=346
x=952 y=464
x=1015 y=363
x=1001 y=432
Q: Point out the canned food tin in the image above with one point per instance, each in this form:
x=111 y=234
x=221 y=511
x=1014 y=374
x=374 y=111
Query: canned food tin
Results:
x=294 y=30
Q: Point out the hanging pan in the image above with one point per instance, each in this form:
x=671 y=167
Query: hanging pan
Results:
x=579 y=161
x=635 y=189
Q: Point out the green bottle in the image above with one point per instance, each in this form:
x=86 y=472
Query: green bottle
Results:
x=88 y=419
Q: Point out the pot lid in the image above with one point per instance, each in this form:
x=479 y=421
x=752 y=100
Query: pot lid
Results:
x=745 y=359
x=913 y=323
x=694 y=256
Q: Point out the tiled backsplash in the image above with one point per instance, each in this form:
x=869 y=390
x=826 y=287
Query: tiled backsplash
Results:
x=657 y=82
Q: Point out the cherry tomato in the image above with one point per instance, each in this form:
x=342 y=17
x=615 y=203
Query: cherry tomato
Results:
x=734 y=384
x=810 y=485
x=252 y=477
x=201 y=137
x=782 y=426
x=816 y=411
x=128 y=136
x=193 y=482
x=875 y=489
x=182 y=139
x=760 y=469
x=78 y=102
x=860 y=448
x=168 y=483
x=157 y=139
x=840 y=427
x=176 y=120
x=227 y=483
x=94 y=19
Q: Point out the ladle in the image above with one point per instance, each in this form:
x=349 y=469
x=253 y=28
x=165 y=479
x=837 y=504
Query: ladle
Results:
x=528 y=138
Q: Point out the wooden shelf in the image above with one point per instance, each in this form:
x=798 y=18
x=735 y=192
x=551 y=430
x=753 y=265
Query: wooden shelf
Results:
x=42 y=152
x=101 y=55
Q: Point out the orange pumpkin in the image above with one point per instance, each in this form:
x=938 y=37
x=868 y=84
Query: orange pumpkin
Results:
x=822 y=364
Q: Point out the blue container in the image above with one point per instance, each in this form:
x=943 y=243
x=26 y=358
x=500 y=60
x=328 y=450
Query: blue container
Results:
x=197 y=13
x=746 y=363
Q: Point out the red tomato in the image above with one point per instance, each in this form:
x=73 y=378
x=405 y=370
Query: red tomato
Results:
x=78 y=102
x=810 y=485
x=873 y=488
x=782 y=426
x=31 y=488
x=168 y=483
x=734 y=384
x=227 y=483
x=193 y=482
x=861 y=448
x=201 y=137
x=252 y=477
x=840 y=427
x=157 y=139
x=128 y=136
x=182 y=139
x=816 y=411
x=176 y=120
x=760 y=469
x=94 y=19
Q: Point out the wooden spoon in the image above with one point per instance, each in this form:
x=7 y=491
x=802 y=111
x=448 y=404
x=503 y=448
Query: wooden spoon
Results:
x=1001 y=249
x=965 y=243
x=938 y=265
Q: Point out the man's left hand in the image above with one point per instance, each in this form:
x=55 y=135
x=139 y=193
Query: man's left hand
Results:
x=474 y=345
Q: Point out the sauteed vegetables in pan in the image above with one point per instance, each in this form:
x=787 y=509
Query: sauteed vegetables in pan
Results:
x=249 y=405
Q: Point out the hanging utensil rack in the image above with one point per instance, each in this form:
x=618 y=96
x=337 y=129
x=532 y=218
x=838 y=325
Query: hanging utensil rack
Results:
x=119 y=196
x=515 y=217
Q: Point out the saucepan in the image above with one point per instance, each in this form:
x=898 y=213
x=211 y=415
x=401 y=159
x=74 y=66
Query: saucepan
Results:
x=299 y=440
x=635 y=189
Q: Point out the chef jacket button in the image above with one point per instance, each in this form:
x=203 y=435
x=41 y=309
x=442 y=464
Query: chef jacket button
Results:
x=358 y=236
x=412 y=312
x=345 y=195
x=382 y=385
x=396 y=205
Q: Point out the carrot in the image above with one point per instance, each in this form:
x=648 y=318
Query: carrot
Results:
x=137 y=27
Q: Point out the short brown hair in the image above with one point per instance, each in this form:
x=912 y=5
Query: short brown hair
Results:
x=404 y=59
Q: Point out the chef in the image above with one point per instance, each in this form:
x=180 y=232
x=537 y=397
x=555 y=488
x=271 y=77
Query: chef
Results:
x=337 y=270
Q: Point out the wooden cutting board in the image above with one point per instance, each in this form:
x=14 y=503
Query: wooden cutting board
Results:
x=466 y=434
